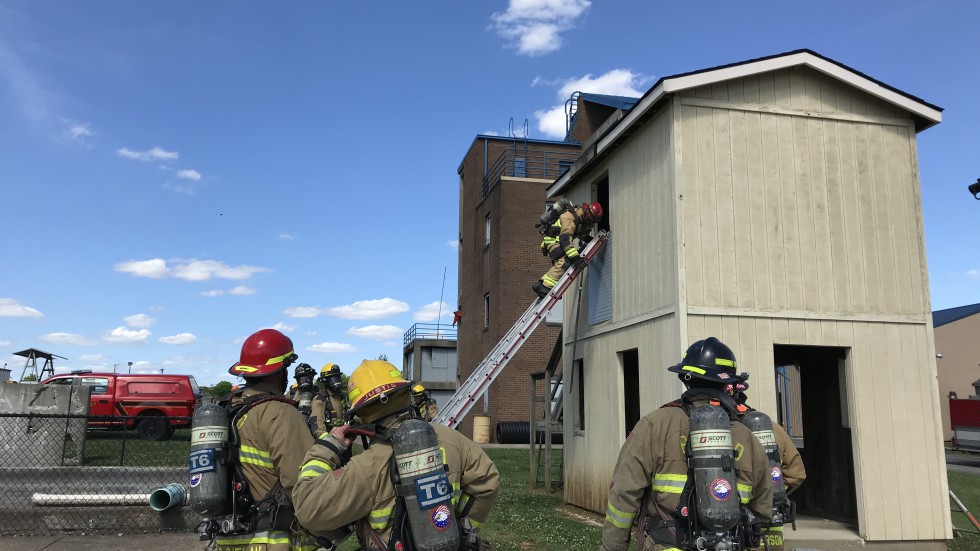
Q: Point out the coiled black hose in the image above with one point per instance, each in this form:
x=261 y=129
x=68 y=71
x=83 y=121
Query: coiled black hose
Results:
x=519 y=432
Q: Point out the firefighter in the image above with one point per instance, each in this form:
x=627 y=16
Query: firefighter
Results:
x=273 y=439
x=334 y=489
x=791 y=466
x=575 y=222
x=424 y=405
x=651 y=473
x=328 y=404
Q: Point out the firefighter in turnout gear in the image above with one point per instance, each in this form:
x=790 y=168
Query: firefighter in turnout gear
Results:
x=328 y=404
x=335 y=489
x=575 y=222
x=425 y=405
x=273 y=439
x=792 y=472
x=652 y=482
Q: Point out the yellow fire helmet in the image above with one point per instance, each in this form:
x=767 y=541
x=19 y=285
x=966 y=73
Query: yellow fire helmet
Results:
x=375 y=382
x=418 y=391
x=294 y=386
x=329 y=369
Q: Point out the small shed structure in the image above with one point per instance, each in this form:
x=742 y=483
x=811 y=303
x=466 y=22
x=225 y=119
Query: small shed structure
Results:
x=774 y=204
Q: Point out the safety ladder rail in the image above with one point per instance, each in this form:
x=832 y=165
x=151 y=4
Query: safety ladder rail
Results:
x=477 y=384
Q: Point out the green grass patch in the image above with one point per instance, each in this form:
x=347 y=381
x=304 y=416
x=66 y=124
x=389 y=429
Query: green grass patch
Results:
x=107 y=448
x=967 y=488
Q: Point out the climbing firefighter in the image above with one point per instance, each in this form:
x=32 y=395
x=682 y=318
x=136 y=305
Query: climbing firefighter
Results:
x=791 y=471
x=653 y=478
x=574 y=222
x=423 y=403
x=328 y=403
x=335 y=489
x=272 y=441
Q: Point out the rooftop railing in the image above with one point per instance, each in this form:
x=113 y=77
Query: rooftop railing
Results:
x=520 y=163
x=429 y=331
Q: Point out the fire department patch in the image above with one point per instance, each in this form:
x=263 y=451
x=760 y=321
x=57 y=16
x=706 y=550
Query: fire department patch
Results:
x=721 y=489
x=338 y=473
x=195 y=480
x=777 y=474
x=440 y=517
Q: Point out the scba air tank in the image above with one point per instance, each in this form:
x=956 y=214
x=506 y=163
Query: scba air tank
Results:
x=552 y=214
x=209 y=488
x=761 y=426
x=713 y=463
x=427 y=491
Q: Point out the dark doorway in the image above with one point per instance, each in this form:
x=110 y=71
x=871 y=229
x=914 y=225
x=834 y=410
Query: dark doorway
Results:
x=813 y=401
x=600 y=190
x=631 y=387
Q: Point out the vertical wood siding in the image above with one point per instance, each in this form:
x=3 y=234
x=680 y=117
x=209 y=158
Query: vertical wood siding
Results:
x=799 y=213
x=590 y=456
x=892 y=401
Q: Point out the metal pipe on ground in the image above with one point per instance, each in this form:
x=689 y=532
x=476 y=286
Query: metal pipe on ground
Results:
x=88 y=500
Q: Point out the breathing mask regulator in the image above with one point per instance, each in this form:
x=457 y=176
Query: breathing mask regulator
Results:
x=304 y=381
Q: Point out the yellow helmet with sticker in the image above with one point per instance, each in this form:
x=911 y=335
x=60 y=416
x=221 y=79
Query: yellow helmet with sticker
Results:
x=375 y=382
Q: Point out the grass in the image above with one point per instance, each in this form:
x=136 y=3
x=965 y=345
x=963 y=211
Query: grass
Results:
x=967 y=488
x=105 y=448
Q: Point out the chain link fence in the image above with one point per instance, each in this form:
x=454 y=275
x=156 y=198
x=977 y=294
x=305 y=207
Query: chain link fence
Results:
x=88 y=473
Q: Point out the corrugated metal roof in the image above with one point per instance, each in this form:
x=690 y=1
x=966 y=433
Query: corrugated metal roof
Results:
x=619 y=102
x=949 y=315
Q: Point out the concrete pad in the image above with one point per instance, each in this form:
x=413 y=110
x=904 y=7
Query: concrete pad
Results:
x=101 y=542
x=818 y=534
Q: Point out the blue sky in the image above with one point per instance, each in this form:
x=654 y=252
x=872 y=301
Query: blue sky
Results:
x=177 y=175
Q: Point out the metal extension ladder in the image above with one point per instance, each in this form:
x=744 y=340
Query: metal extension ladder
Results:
x=479 y=381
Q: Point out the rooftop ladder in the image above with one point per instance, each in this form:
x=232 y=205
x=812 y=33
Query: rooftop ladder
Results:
x=477 y=384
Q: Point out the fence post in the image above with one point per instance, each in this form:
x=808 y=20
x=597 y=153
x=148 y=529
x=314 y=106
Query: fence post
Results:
x=122 y=449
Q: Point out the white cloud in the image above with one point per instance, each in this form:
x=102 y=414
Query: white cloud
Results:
x=974 y=274
x=368 y=309
x=453 y=244
x=534 y=27
x=124 y=335
x=139 y=321
x=302 y=311
x=10 y=308
x=4 y=343
x=179 y=338
x=78 y=132
x=242 y=290
x=152 y=154
x=286 y=236
x=189 y=174
x=491 y=133
x=66 y=338
x=331 y=347
x=284 y=328
x=376 y=332
x=188 y=270
x=430 y=312
x=212 y=293
x=155 y=268
x=617 y=82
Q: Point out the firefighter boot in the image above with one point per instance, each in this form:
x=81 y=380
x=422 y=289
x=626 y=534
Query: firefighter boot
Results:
x=540 y=289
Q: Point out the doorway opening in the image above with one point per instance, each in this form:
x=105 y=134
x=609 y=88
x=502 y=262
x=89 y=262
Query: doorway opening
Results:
x=630 y=360
x=812 y=402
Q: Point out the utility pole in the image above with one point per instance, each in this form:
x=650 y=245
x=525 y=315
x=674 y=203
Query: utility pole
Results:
x=130 y=368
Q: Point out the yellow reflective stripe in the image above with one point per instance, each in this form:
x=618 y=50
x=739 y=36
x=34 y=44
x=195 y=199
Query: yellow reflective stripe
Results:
x=379 y=518
x=619 y=519
x=255 y=539
x=571 y=252
x=666 y=476
x=724 y=362
x=255 y=456
x=744 y=493
x=771 y=529
x=461 y=498
x=694 y=369
x=475 y=523
x=668 y=483
x=548 y=280
x=278 y=359
x=314 y=468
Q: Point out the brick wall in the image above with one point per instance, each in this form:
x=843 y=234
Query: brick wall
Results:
x=506 y=270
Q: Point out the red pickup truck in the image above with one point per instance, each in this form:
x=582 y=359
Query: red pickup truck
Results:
x=146 y=401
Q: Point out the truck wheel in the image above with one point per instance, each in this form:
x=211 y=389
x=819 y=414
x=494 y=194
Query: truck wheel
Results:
x=153 y=428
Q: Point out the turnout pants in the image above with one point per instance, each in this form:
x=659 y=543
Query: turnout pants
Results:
x=772 y=535
x=269 y=540
x=557 y=269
